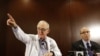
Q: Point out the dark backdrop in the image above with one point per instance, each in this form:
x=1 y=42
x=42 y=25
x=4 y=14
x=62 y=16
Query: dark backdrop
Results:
x=65 y=17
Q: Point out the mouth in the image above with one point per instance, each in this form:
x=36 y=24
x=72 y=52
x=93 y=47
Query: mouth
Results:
x=41 y=34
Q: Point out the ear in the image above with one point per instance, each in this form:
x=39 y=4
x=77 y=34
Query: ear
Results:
x=48 y=30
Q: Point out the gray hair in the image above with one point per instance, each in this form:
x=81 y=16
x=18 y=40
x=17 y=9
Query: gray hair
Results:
x=43 y=24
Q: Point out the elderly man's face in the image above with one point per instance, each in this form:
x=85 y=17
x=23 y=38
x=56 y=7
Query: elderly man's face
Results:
x=42 y=32
x=42 y=29
x=85 y=33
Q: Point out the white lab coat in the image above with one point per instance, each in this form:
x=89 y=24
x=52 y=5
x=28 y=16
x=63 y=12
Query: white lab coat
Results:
x=32 y=43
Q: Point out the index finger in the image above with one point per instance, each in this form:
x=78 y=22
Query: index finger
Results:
x=10 y=16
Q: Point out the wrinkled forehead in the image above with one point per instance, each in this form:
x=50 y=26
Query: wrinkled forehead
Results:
x=43 y=24
x=84 y=29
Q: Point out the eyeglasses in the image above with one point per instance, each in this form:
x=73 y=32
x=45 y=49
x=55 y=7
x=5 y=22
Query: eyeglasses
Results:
x=42 y=29
x=84 y=32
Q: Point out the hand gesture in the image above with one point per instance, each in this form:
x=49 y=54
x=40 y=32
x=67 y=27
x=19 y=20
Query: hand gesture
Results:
x=10 y=21
x=48 y=54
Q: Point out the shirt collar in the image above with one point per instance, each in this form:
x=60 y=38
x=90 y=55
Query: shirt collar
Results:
x=39 y=37
x=84 y=42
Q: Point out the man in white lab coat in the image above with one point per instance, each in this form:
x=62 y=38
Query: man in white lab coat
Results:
x=36 y=45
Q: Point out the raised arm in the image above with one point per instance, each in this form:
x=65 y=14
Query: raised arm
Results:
x=19 y=33
x=11 y=22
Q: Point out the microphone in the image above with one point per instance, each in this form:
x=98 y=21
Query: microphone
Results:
x=84 y=49
x=79 y=54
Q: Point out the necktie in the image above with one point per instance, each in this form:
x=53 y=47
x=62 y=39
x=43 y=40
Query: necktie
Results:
x=43 y=44
x=89 y=50
x=43 y=47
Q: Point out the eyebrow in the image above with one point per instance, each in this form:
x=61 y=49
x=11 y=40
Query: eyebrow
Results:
x=84 y=32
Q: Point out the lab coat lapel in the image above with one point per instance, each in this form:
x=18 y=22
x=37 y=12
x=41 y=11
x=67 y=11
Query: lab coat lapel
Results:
x=37 y=43
x=48 y=43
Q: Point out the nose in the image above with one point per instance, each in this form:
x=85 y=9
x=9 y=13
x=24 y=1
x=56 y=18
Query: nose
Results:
x=86 y=33
x=41 y=32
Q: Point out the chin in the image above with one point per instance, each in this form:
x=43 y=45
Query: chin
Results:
x=87 y=39
x=42 y=36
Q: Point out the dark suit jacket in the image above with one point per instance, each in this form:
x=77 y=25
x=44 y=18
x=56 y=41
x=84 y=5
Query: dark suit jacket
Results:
x=79 y=46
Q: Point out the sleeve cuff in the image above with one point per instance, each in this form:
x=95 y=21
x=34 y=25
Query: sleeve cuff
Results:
x=52 y=53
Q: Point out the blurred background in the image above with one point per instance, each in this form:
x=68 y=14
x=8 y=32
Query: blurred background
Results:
x=65 y=17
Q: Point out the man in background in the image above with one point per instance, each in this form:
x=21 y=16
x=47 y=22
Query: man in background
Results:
x=85 y=44
x=36 y=45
